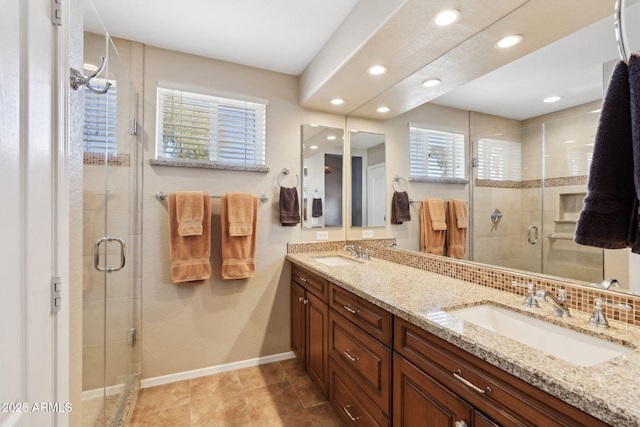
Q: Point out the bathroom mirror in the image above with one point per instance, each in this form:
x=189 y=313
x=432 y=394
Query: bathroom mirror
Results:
x=322 y=176
x=368 y=179
x=556 y=150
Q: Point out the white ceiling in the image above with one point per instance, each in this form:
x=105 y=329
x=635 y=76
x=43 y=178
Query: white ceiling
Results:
x=288 y=35
x=277 y=35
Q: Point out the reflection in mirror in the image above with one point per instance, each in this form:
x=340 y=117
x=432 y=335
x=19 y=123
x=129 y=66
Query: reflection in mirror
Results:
x=368 y=179
x=322 y=153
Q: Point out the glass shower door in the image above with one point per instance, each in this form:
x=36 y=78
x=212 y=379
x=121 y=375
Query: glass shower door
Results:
x=111 y=235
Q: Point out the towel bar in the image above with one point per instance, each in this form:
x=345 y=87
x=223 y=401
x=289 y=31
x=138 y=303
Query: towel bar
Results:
x=161 y=195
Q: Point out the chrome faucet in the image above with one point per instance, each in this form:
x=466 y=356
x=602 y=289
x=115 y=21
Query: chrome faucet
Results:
x=560 y=308
x=530 y=301
x=597 y=318
x=350 y=248
x=607 y=283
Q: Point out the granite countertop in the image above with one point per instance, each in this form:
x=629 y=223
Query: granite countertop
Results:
x=607 y=391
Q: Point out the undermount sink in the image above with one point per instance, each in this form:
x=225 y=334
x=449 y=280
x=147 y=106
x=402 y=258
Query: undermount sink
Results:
x=335 y=260
x=577 y=348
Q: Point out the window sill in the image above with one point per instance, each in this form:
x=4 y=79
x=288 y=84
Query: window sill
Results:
x=439 y=180
x=207 y=165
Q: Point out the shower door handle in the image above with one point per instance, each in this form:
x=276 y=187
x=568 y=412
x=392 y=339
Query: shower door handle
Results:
x=535 y=234
x=96 y=253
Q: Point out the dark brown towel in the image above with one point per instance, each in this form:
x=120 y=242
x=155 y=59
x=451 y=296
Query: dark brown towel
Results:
x=316 y=208
x=400 y=207
x=289 y=206
x=634 y=85
x=608 y=214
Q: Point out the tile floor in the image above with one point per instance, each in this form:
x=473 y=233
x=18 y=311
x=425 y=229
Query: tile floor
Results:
x=275 y=394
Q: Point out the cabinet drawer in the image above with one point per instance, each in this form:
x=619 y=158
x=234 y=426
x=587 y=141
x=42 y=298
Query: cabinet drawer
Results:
x=350 y=402
x=366 y=360
x=501 y=396
x=311 y=282
x=372 y=319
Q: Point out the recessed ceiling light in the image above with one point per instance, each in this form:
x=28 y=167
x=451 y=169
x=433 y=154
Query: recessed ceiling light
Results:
x=331 y=137
x=383 y=109
x=377 y=70
x=89 y=67
x=597 y=111
x=551 y=99
x=509 y=41
x=431 y=83
x=314 y=147
x=337 y=101
x=446 y=17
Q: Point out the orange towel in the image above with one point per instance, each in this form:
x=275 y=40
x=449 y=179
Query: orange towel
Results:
x=438 y=214
x=190 y=254
x=240 y=214
x=189 y=212
x=457 y=232
x=431 y=241
x=238 y=252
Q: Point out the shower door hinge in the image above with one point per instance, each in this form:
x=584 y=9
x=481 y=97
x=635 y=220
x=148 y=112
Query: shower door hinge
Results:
x=132 y=337
x=56 y=294
x=474 y=162
x=133 y=130
x=56 y=12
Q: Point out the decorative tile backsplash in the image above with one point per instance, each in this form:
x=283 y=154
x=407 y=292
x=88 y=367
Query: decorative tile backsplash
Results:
x=579 y=297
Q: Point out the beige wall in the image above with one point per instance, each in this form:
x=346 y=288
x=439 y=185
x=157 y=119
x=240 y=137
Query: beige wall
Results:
x=186 y=328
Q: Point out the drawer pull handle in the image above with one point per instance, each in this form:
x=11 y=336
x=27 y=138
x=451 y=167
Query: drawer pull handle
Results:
x=350 y=310
x=346 y=409
x=349 y=356
x=305 y=301
x=461 y=424
x=300 y=299
x=458 y=375
x=302 y=278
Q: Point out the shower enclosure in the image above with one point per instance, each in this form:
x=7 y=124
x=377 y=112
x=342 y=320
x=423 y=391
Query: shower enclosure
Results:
x=535 y=178
x=111 y=229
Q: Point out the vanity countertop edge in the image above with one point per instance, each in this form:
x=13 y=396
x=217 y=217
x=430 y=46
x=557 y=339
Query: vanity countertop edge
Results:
x=605 y=391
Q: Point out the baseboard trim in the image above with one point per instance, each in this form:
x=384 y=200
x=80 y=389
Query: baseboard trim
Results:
x=187 y=375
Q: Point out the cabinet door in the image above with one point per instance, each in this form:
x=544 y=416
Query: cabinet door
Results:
x=480 y=420
x=317 y=354
x=298 y=321
x=418 y=400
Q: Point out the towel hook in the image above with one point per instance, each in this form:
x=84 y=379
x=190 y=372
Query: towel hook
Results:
x=398 y=178
x=77 y=80
x=286 y=171
x=619 y=30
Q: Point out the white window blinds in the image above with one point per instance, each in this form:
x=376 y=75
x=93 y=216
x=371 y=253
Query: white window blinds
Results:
x=499 y=160
x=194 y=126
x=100 y=124
x=436 y=154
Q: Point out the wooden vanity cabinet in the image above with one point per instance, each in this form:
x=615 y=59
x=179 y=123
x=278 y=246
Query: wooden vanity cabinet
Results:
x=310 y=323
x=502 y=398
x=360 y=359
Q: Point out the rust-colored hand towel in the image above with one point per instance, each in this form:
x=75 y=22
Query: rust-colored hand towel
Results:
x=431 y=241
x=457 y=230
x=240 y=214
x=437 y=214
x=238 y=252
x=189 y=212
x=189 y=255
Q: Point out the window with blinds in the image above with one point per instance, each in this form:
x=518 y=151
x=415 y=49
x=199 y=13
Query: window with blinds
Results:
x=193 y=126
x=100 y=122
x=499 y=160
x=436 y=155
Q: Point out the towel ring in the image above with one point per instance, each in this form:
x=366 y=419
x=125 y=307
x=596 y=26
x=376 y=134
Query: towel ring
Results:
x=619 y=30
x=398 y=178
x=286 y=171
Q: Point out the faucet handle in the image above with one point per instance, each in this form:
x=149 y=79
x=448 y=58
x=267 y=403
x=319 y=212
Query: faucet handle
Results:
x=530 y=301
x=597 y=318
